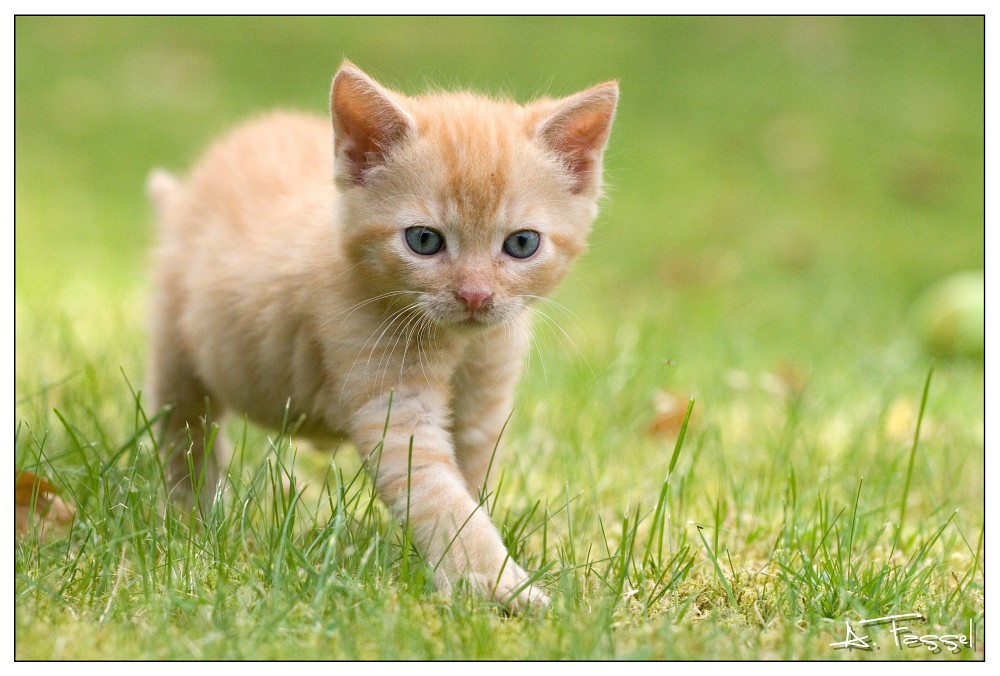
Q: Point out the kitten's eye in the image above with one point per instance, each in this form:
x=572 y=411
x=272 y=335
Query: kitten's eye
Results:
x=521 y=244
x=424 y=241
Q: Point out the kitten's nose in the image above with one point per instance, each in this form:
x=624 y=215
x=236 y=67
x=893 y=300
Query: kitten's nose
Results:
x=474 y=298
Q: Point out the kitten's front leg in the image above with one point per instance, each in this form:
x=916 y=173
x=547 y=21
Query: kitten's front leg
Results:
x=483 y=399
x=450 y=528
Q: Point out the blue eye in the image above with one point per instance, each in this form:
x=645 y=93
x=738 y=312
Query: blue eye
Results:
x=521 y=244
x=424 y=241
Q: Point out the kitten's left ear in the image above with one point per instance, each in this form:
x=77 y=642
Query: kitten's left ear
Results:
x=578 y=133
x=367 y=123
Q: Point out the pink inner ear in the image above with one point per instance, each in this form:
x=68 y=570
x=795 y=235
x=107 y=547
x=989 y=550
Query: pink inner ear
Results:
x=579 y=144
x=579 y=131
x=366 y=123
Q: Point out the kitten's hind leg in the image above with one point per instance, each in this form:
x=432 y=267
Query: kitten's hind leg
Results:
x=194 y=449
x=192 y=446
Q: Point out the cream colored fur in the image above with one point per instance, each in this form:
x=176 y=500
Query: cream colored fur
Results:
x=283 y=274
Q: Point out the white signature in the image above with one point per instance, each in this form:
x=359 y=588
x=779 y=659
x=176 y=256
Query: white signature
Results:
x=903 y=637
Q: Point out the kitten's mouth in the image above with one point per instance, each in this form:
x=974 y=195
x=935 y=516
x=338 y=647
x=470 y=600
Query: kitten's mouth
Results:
x=473 y=320
x=476 y=319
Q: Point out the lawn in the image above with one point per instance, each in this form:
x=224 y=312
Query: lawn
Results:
x=781 y=192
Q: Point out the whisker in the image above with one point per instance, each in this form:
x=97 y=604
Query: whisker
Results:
x=573 y=317
x=412 y=336
x=387 y=322
x=428 y=328
x=398 y=334
x=387 y=353
x=553 y=325
x=349 y=311
x=525 y=324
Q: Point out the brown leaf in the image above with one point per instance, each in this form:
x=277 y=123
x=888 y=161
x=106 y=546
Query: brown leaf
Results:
x=37 y=505
x=793 y=377
x=670 y=411
x=786 y=381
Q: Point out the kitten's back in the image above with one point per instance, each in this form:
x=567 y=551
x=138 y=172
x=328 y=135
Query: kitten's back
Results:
x=264 y=172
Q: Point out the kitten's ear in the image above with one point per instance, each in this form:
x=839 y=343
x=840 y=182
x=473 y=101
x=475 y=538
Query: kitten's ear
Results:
x=577 y=131
x=367 y=123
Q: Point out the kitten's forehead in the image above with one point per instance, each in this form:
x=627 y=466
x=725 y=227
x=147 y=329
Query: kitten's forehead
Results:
x=478 y=143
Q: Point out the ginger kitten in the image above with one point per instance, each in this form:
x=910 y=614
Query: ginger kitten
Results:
x=395 y=250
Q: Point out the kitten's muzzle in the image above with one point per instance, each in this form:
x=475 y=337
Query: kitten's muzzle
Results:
x=475 y=299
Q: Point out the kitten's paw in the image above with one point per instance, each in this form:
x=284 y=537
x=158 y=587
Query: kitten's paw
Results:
x=512 y=590
x=520 y=599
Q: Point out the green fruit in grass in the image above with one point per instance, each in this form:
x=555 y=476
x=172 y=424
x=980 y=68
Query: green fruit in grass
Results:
x=952 y=315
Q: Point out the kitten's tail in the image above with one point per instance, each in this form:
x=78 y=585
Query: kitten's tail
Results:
x=161 y=186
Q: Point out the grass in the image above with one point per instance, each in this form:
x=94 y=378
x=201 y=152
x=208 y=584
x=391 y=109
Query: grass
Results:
x=781 y=192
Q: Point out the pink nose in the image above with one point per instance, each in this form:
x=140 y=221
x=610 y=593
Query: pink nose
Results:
x=474 y=298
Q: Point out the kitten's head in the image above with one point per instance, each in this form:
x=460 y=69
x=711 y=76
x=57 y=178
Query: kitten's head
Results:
x=469 y=206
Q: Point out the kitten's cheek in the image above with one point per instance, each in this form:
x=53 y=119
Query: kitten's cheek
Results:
x=549 y=277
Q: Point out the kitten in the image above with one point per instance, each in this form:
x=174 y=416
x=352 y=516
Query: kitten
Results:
x=390 y=255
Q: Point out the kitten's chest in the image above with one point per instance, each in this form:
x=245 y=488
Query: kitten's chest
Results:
x=379 y=352
x=351 y=365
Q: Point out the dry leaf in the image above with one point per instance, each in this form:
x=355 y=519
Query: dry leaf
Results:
x=48 y=510
x=786 y=381
x=670 y=411
x=792 y=376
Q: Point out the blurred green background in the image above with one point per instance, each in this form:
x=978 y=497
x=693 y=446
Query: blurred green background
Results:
x=790 y=184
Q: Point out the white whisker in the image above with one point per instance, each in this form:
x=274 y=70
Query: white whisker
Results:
x=562 y=336
x=349 y=311
x=387 y=322
x=379 y=343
